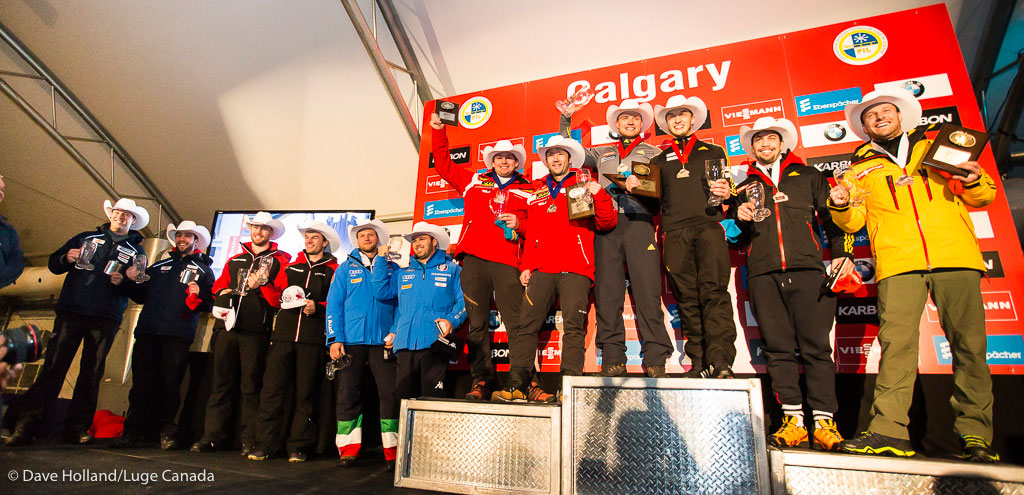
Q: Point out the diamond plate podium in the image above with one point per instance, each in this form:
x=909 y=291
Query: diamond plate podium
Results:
x=801 y=472
x=661 y=436
x=462 y=446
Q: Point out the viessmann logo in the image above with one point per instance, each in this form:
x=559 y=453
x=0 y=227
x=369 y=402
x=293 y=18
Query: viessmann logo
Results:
x=747 y=113
x=998 y=307
x=435 y=185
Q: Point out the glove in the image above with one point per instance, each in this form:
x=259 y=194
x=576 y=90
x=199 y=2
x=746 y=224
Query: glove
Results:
x=956 y=186
x=510 y=234
x=732 y=231
x=192 y=301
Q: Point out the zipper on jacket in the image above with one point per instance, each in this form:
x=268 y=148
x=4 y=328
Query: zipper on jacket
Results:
x=782 y=247
x=584 y=251
x=920 y=230
x=298 y=324
x=892 y=191
x=813 y=237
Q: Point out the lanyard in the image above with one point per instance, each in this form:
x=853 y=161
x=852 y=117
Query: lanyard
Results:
x=624 y=152
x=501 y=185
x=553 y=188
x=684 y=156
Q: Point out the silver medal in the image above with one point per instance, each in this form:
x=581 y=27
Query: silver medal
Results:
x=683 y=173
x=552 y=208
x=780 y=197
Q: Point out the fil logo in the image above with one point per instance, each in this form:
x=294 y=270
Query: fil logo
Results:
x=475 y=112
x=732 y=146
x=436 y=185
x=860 y=45
x=747 y=113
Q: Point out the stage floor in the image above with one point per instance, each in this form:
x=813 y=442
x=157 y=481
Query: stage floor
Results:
x=67 y=469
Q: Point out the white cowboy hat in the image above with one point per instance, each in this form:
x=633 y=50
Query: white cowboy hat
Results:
x=333 y=239
x=910 y=109
x=125 y=204
x=785 y=128
x=504 y=146
x=293 y=297
x=571 y=146
x=202 y=235
x=435 y=231
x=264 y=218
x=644 y=109
x=694 y=104
x=376 y=225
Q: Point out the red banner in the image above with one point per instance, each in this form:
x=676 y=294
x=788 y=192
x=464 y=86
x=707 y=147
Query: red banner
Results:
x=805 y=76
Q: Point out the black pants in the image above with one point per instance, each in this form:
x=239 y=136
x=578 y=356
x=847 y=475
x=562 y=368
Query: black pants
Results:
x=420 y=374
x=697 y=262
x=70 y=330
x=792 y=313
x=293 y=369
x=481 y=279
x=349 y=404
x=238 y=362
x=158 y=366
x=573 y=291
x=631 y=242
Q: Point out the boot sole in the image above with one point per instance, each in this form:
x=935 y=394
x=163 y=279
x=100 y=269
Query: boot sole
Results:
x=885 y=451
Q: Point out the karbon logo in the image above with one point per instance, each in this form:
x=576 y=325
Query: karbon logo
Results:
x=475 y=112
x=747 y=113
x=860 y=45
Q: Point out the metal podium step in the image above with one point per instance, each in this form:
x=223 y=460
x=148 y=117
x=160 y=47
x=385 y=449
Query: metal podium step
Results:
x=801 y=472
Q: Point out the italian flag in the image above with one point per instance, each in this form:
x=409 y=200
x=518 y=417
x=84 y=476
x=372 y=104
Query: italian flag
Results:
x=350 y=437
x=389 y=438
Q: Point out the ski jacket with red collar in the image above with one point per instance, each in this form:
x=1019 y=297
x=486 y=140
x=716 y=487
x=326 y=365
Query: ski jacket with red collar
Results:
x=254 y=312
x=314 y=277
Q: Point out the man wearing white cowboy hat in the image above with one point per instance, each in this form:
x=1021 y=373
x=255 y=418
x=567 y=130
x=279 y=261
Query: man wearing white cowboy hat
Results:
x=631 y=243
x=251 y=283
x=785 y=275
x=295 y=361
x=556 y=263
x=89 y=313
x=357 y=323
x=489 y=247
x=430 y=306
x=923 y=242
x=696 y=255
x=177 y=290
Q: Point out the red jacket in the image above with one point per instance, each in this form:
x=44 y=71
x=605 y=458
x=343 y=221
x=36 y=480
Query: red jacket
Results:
x=555 y=244
x=254 y=311
x=480 y=237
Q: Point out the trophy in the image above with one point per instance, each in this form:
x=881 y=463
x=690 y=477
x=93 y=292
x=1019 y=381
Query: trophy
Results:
x=243 y=282
x=337 y=365
x=755 y=194
x=188 y=276
x=113 y=266
x=649 y=175
x=715 y=169
x=395 y=246
x=88 y=251
x=497 y=203
x=580 y=201
x=953 y=146
x=448 y=112
x=141 y=262
x=844 y=175
x=575 y=102
x=266 y=263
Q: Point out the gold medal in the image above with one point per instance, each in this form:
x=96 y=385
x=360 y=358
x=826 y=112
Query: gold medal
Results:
x=552 y=208
x=683 y=173
x=642 y=170
x=962 y=139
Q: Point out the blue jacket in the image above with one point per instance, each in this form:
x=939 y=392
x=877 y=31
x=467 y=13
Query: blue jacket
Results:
x=89 y=292
x=425 y=293
x=12 y=260
x=354 y=315
x=168 y=309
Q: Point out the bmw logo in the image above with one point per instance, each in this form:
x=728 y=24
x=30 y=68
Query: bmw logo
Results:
x=865 y=269
x=835 y=132
x=914 y=87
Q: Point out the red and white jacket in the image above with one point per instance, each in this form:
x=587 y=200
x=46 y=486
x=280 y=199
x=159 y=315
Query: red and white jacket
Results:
x=480 y=237
x=555 y=244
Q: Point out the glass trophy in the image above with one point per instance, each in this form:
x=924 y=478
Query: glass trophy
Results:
x=188 y=276
x=243 y=281
x=141 y=262
x=715 y=169
x=395 y=246
x=843 y=175
x=85 y=257
x=266 y=263
x=497 y=203
x=755 y=194
x=575 y=102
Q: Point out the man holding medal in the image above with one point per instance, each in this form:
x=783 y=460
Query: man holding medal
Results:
x=924 y=244
x=556 y=263
x=632 y=242
x=696 y=252
x=489 y=247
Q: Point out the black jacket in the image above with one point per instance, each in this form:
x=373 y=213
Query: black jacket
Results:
x=12 y=260
x=254 y=313
x=315 y=279
x=798 y=246
x=89 y=292
x=165 y=310
x=684 y=200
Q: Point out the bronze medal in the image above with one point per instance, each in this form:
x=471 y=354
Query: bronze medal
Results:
x=683 y=173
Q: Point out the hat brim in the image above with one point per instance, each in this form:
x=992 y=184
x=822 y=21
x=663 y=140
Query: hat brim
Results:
x=786 y=132
x=518 y=150
x=909 y=107
x=276 y=227
x=202 y=235
x=443 y=240
x=645 y=111
x=575 y=150
x=376 y=225
x=699 y=112
x=141 y=215
x=332 y=237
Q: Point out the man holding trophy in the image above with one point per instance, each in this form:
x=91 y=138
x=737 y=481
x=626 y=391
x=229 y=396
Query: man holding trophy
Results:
x=631 y=242
x=89 y=312
x=924 y=244
x=556 y=263
x=694 y=181
x=173 y=291
x=784 y=202
x=489 y=247
x=250 y=285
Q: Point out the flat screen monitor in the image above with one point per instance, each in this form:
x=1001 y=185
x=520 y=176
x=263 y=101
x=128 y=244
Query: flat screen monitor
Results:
x=229 y=231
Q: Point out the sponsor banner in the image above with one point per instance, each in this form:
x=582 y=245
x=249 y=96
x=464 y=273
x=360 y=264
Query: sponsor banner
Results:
x=733 y=146
x=827 y=133
x=459 y=155
x=437 y=185
x=857 y=354
x=923 y=87
x=829 y=101
x=541 y=139
x=827 y=164
x=857 y=310
x=982 y=225
x=993 y=264
x=998 y=307
x=860 y=45
x=747 y=113
x=1001 y=349
x=499 y=354
x=944 y=115
x=866 y=268
x=443 y=208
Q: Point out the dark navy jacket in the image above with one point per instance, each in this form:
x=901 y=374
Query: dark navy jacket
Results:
x=12 y=260
x=89 y=292
x=165 y=311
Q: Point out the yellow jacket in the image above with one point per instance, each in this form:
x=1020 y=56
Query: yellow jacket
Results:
x=918 y=227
